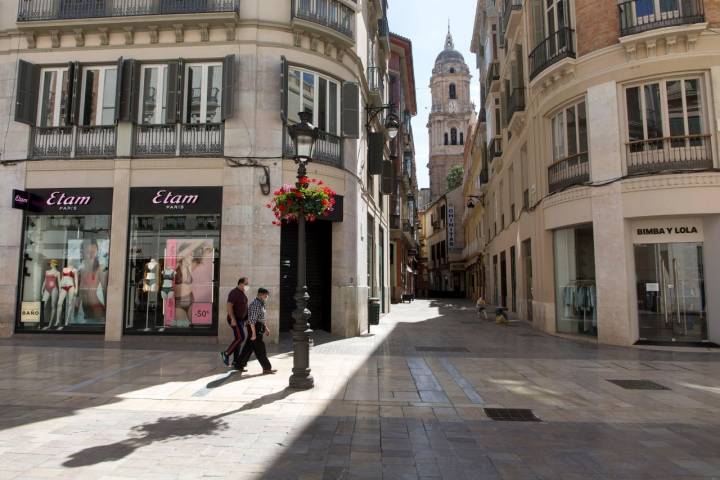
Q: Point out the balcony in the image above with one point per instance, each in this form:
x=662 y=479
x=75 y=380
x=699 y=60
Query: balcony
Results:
x=328 y=149
x=376 y=83
x=570 y=171
x=492 y=76
x=331 y=15
x=395 y=222
x=554 y=48
x=510 y=16
x=482 y=116
x=45 y=10
x=73 y=142
x=202 y=139
x=515 y=103
x=637 y=16
x=690 y=152
x=495 y=148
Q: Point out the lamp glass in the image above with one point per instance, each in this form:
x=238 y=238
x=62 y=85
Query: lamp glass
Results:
x=304 y=145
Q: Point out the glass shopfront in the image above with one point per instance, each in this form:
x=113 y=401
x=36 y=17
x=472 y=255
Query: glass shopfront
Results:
x=575 y=293
x=174 y=260
x=670 y=281
x=64 y=269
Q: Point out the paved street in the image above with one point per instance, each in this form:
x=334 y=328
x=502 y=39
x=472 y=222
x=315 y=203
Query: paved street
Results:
x=406 y=402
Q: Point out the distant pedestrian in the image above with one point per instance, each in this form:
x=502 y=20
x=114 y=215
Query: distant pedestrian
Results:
x=256 y=329
x=481 y=307
x=237 y=309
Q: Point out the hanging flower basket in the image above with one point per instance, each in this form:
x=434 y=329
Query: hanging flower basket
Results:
x=309 y=197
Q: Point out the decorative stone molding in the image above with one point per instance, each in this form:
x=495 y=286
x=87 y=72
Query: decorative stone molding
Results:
x=571 y=195
x=55 y=38
x=230 y=32
x=670 y=37
x=339 y=52
x=179 y=32
x=314 y=43
x=328 y=49
x=104 y=36
x=154 y=34
x=31 y=40
x=671 y=180
x=204 y=32
x=554 y=76
x=297 y=39
x=129 y=33
x=79 y=37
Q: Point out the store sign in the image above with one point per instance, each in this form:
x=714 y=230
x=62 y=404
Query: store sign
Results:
x=451 y=226
x=30 y=312
x=170 y=200
x=668 y=231
x=21 y=199
x=58 y=201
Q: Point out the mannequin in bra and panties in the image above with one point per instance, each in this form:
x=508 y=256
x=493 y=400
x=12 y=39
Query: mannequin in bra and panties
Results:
x=150 y=287
x=68 y=289
x=50 y=292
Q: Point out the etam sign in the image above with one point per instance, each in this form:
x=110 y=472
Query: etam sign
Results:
x=69 y=201
x=164 y=200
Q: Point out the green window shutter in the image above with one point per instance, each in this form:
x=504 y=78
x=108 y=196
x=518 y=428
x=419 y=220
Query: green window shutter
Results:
x=283 y=89
x=129 y=96
x=171 y=95
x=386 y=184
x=376 y=151
x=26 y=92
x=75 y=89
x=228 y=92
x=351 y=110
x=118 y=88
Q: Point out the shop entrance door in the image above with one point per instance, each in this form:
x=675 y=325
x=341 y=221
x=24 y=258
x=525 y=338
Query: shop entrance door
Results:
x=527 y=257
x=671 y=292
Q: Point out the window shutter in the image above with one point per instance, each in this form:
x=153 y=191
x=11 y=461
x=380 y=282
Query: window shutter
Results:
x=386 y=185
x=228 y=92
x=129 y=86
x=376 y=151
x=75 y=90
x=27 y=91
x=351 y=110
x=283 y=89
x=179 y=90
x=118 y=89
x=538 y=22
x=171 y=95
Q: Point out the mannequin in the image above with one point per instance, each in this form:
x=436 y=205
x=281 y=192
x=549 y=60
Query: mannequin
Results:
x=167 y=292
x=50 y=292
x=150 y=286
x=68 y=289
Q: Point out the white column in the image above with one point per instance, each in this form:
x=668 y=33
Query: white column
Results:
x=118 y=252
x=604 y=140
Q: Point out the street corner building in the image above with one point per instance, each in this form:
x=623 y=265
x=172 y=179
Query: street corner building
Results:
x=144 y=140
x=593 y=168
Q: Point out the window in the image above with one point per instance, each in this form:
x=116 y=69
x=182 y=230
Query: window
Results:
x=556 y=13
x=666 y=108
x=452 y=70
x=462 y=139
x=453 y=136
x=453 y=93
x=446 y=138
x=320 y=96
x=97 y=105
x=203 y=93
x=569 y=130
x=53 y=97
x=153 y=95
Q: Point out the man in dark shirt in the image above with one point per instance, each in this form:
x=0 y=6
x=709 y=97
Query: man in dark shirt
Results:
x=256 y=330
x=237 y=308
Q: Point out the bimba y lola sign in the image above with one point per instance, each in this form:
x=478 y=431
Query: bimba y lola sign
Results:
x=668 y=230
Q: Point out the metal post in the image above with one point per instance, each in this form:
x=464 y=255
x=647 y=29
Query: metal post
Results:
x=301 y=378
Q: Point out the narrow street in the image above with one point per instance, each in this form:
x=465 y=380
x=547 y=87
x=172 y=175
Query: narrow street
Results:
x=405 y=402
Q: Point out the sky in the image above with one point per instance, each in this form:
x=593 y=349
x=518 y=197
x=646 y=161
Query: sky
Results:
x=425 y=22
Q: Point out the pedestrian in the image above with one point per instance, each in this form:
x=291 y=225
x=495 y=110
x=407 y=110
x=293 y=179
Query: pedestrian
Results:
x=237 y=309
x=256 y=329
x=481 y=307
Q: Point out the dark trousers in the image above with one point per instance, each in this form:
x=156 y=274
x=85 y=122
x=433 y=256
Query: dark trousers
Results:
x=234 y=348
x=256 y=346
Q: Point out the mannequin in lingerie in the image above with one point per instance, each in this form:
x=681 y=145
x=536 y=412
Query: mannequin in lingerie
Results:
x=68 y=289
x=150 y=287
x=50 y=292
x=167 y=290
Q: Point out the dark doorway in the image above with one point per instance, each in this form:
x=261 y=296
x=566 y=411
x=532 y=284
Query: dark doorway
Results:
x=513 y=280
x=319 y=274
x=527 y=263
x=503 y=280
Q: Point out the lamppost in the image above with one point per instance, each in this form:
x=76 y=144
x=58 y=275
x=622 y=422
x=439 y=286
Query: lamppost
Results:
x=304 y=135
x=472 y=198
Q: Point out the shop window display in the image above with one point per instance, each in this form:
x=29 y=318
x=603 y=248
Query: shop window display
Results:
x=173 y=265
x=64 y=273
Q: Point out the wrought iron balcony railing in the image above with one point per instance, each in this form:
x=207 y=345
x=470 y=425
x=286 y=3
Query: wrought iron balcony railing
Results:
x=493 y=74
x=689 y=152
x=376 y=82
x=554 y=48
x=328 y=148
x=508 y=7
x=638 y=16
x=202 y=139
x=573 y=170
x=73 y=142
x=515 y=103
x=155 y=141
x=328 y=13
x=495 y=148
x=34 y=10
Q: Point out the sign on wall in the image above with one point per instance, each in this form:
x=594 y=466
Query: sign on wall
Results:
x=451 y=226
x=672 y=230
x=69 y=201
x=30 y=312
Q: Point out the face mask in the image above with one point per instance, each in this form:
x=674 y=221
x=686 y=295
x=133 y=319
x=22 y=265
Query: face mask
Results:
x=246 y=288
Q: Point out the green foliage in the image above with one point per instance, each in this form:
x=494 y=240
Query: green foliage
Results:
x=455 y=177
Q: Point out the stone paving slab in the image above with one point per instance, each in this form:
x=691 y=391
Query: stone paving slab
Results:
x=381 y=408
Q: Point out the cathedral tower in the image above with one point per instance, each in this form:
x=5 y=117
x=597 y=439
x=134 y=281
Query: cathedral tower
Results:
x=452 y=112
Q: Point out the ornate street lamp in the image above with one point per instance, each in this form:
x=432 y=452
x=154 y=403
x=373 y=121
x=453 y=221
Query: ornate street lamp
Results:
x=304 y=135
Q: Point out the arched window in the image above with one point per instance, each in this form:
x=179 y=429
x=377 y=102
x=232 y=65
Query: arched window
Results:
x=453 y=94
x=462 y=141
x=452 y=70
x=453 y=136
x=446 y=138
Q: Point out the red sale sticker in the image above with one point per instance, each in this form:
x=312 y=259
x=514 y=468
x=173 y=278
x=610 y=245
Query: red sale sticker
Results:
x=201 y=313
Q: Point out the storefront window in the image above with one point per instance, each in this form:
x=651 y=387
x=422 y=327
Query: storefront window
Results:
x=575 y=293
x=174 y=260
x=63 y=284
